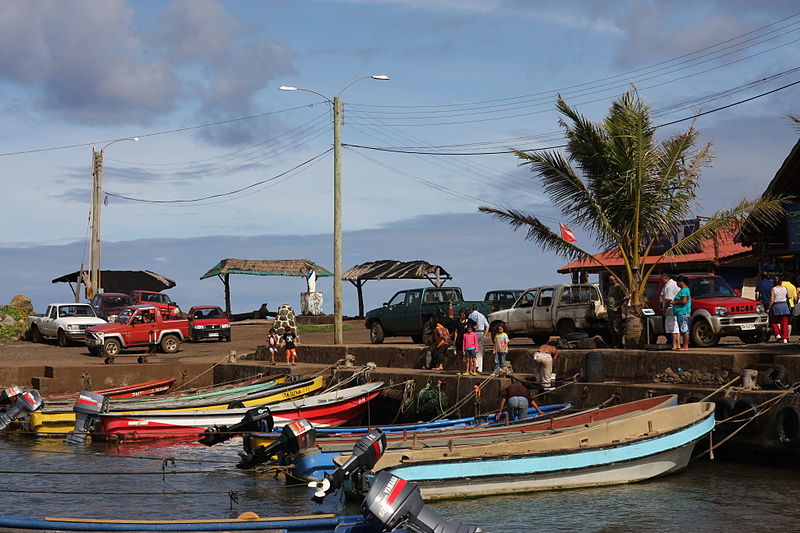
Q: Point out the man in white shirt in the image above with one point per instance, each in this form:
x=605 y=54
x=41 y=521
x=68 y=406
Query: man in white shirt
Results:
x=481 y=327
x=668 y=293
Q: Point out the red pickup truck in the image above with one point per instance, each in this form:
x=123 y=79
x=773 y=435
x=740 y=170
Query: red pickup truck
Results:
x=168 y=308
x=131 y=329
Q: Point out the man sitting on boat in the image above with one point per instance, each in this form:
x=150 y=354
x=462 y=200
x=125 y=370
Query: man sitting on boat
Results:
x=517 y=398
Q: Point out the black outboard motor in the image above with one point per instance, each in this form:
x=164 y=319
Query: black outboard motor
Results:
x=258 y=419
x=25 y=402
x=295 y=436
x=87 y=408
x=366 y=452
x=393 y=503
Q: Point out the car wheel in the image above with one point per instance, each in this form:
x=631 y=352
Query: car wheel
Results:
x=416 y=339
x=63 y=341
x=36 y=335
x=540 y=339
x=565 y=327
x=752 y=337
x=702 y=334
x=111 y=348
x=376 y=333
x=170 y=344
x=427 y=332
x=194 y=337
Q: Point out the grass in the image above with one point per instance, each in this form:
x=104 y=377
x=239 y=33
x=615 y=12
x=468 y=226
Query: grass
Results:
x=9 y=332
x=315 y=328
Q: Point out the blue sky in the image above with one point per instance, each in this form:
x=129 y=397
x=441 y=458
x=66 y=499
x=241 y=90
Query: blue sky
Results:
x=482 y=75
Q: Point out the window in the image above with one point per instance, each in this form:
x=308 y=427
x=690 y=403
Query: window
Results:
x=413 y=298
x=545 y=298
x=398 y=299
x=526 y=300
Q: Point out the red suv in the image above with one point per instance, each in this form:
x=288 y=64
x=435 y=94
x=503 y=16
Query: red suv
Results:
x=168 y=308
x=717 y=310
x=208 y=322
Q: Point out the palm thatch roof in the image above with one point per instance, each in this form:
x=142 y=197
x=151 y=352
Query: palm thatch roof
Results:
x=266 y=267
x=123 y=281
x=390 y=269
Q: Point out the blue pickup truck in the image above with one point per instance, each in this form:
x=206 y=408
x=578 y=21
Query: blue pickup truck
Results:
x=413 y=313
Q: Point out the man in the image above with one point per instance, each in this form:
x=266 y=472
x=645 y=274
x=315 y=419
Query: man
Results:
x=614 y=300
x=544 y=357
x=517 y=398
x=481 y=327
x=792 y=300
x=668 y=293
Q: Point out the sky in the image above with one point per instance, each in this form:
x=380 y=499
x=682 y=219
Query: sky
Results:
x=229 y=166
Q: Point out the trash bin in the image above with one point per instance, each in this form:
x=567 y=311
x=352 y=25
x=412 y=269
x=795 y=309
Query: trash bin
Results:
x=594 y=367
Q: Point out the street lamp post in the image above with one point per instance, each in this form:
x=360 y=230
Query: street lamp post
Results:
x=338 y=337
x=97 y=193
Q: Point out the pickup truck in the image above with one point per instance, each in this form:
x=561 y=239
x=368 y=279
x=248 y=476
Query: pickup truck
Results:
x=413 y=312
x=65 y=322
x=541 y=312
x=131 y=330
x=717 y=311
x=168 y=308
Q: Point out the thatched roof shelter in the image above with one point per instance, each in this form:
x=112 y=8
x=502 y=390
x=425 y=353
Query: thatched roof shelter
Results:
x=391 y=269
x=261 y=267
x=123 y=281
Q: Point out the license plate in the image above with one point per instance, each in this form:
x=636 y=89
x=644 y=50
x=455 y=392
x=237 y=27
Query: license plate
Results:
x=747 y=326
x=213 y=334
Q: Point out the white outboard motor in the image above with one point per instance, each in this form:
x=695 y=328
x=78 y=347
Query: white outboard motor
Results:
x=25 y=402
x=393 y=503
x=87 y=408
x=8 y=394
x=295 y=436
x=366 y=452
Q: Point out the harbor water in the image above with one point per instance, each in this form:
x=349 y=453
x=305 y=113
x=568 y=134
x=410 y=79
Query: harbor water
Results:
x=44 y=477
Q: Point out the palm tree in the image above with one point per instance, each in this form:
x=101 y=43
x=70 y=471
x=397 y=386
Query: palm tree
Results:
x=627 y=190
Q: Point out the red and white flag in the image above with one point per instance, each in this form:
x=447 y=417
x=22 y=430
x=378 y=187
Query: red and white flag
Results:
x=566 y=233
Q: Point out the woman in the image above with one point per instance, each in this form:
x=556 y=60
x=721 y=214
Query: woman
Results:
x=682 y=308
x=779 y=310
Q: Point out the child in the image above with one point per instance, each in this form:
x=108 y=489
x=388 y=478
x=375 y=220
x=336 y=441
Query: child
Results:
x=272 y=344
x=470 y=348
x=290 y=342
x=500 y=348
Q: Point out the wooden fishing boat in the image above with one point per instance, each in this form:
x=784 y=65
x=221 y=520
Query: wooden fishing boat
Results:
x=58 y=422
x=327 y=409
x=315 y=462
x=134 y=390
x=626 y=450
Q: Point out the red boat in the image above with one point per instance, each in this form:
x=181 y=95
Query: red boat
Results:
x=329 y=409
x=148 y=388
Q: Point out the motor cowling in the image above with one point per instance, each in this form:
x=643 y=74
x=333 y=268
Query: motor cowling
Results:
x=393 y=503
x=295 y=436
x=88 y=407
x=258 y=419
x=366 y=452
x=8 y=394
x=24 y=402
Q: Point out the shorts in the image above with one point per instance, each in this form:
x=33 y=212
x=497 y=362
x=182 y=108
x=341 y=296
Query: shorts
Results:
x=470 y=352
x=273 y=350
x=291 y=352
x=670 y=323
x=683 y=323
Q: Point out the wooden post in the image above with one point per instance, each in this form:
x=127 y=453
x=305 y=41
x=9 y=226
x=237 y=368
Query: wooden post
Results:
x=227 y=281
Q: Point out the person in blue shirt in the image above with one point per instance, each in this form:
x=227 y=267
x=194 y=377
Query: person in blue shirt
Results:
x=763 y=289
x=682 y=308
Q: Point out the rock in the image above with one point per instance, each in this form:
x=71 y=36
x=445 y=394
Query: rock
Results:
x=6 y=320
x=23 y=303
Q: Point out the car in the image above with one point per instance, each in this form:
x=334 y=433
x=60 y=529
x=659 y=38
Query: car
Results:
x=133 y=328
x=168 y=308
x=208 y=322
x=107 y=305
x=66 y=322
x=502 y=299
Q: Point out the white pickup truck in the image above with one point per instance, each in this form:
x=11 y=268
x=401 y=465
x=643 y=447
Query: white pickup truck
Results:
x=65 y=322
x=541 y=312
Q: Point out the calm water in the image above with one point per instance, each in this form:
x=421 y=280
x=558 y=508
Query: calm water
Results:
x=75 y=482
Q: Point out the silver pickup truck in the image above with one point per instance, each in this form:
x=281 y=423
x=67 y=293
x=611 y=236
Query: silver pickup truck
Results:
x=66 y=322
x=541 y=312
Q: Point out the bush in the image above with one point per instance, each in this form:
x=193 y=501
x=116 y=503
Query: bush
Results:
x=17 y=330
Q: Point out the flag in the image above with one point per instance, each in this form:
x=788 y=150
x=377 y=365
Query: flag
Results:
x=566 y=233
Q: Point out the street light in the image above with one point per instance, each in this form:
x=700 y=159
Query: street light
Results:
x=337 y=197
x=97 y=190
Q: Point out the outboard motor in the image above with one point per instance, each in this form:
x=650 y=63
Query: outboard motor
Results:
x=25 y=402
x=393 y=503
x=87 y=408
x=258 y=419
x=9 y=393
x=366 y=452
x=295 y=436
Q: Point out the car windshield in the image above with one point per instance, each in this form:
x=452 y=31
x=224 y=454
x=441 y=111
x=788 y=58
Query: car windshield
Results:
x=156 y=298
x=213 y=312
x=75 y=310
x=710 y=287
x=115 y=301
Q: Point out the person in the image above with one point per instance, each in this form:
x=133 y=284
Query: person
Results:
x=544 y=357
x=682 y=308
x=517 y=398
x=481 y=327
x=779 y=310
x=470 y=344
x=442 y=341
x=289 y=342
x=668 y=292
x=792 y=301
x=500 y=347
x=763 y=289
x=614 y=300
x=459 y=331
x=272 y=344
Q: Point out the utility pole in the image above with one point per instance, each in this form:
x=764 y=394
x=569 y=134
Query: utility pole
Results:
x=338 y=335
x=94 y=249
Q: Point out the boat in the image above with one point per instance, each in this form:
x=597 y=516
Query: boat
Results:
x=327 y=409
x=317 y=458
x=631 y=449
x=134 y=390
x=61 y=420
